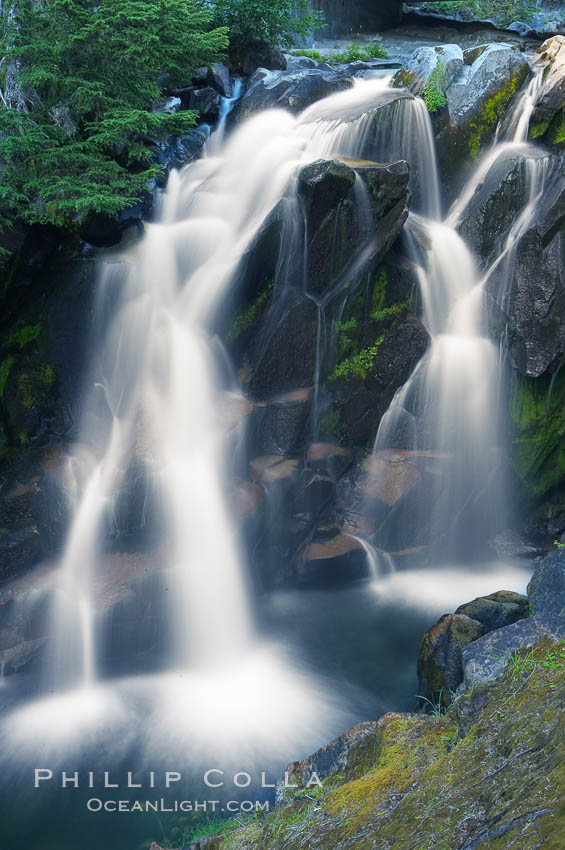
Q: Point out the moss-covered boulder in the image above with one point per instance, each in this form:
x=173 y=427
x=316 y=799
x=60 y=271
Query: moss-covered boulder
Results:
x=430 y=67
x=487 y=774
x=476 y=101
x=440 y=668
x=497 y=609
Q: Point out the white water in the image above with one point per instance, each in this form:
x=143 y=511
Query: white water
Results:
x=158 y=373
x=455 y=389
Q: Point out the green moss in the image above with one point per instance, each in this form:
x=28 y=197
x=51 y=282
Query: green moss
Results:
x=404 y=77
x=379 y=293
x=480 y=128
x=329 y=422
x=357 y=365
x=434 y=92
x=395 y=311
x=495 y=762
x=538 y=417
x=556 y=132
x=250 y=314
x=537 y=129
x=23 y=335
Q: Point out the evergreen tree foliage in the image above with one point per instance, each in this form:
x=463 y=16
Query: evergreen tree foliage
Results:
x=273 y=22
x=78 y=80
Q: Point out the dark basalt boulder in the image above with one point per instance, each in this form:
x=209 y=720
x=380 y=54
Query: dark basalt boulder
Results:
x=342 y=242
x=530 y=288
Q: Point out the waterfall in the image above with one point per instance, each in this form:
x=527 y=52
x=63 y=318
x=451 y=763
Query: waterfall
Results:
x=452 y=398
x=157 y=369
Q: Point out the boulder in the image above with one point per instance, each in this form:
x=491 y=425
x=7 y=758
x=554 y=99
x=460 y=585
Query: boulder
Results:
x=546 y=590
x=259 y=55
x=279 y=427
x=206 y=101
x=218 y=77
x=342 y=243
x=440 y=666
x=292 y=91
x=530 y=288
x=497 y=610
x=497 y=202
x=443 y=62
x=548 y=119
x=494 y=68
x=339 y=560
x=485 y=660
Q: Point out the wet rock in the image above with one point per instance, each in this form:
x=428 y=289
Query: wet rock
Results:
x=187 y=148
x=389 y=475
x=278 y=366
x=497 y=202
x=362 y=399
x=509 y=544
x=485 y=659
x=444 y=62
x=496 y=66
x=294 y=91
x=546 y=590
x=339 y=560
x=497 y=610
x=206 y=101
x=346 y=752
x=218 y=77
x=284 y=424
x=531 y=293
x=548 y=120
x=342 y=242
x=20 y=549
x=440 y=666
x=329 y=458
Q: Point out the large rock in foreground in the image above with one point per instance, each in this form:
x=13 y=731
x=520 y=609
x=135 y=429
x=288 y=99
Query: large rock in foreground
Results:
x=485 y=660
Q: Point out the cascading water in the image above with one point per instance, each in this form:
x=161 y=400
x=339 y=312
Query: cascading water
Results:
x=449 y=408
x=158 y=385
x=158 y=368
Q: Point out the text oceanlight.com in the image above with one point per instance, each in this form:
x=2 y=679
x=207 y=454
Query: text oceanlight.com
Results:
x=162 y=805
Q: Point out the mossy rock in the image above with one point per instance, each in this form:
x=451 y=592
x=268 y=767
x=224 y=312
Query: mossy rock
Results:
x=538 y=429
x=488 y=773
